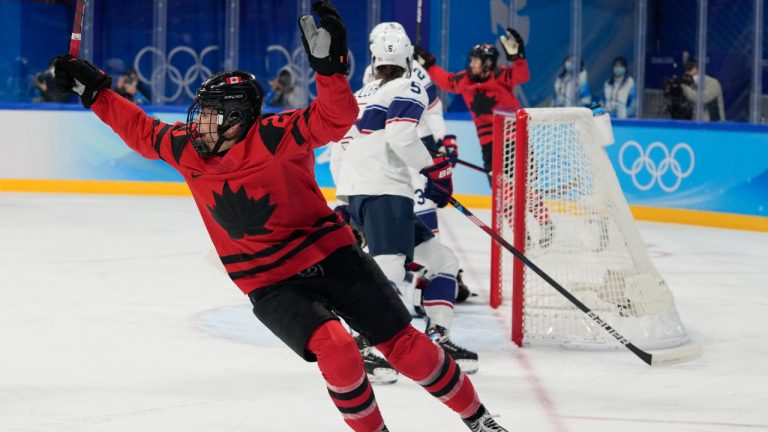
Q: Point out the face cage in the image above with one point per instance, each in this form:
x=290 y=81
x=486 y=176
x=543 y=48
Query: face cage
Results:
x=204 y=144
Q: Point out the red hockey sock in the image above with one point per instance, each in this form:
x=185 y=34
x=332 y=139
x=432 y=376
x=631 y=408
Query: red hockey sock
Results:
x=342 y=367
x=414 y=355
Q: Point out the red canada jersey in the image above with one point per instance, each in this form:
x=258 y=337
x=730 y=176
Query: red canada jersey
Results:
x=483 y=97
x=259 y=201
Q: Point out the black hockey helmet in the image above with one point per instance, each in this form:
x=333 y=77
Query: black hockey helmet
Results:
x=233 y=98
x=488 y=55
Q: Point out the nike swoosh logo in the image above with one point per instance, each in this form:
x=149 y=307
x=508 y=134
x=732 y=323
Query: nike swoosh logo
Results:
x=194 y=176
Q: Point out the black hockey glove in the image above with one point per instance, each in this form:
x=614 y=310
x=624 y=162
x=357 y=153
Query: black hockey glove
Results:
x=81 y=77
x=326 y=46
x=439 y=181
x=424 y=57
x=513 y=44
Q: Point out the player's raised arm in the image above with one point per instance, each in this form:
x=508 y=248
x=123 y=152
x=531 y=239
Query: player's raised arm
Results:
x=335 y=109
x=514 y=50
x=137 y=129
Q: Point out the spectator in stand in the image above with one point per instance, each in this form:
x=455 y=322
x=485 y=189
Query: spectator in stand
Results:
x=128 y=87
x=714 y=108
x=619 y=91
x=45 y=85
x=565 y=86
x=285 y=93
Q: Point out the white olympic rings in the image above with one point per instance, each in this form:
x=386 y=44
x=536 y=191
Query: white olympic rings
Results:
x=188 y=82
x=657 y=170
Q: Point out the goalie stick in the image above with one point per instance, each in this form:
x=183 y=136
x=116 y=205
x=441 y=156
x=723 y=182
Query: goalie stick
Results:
x=667 y=357
x=77 y=29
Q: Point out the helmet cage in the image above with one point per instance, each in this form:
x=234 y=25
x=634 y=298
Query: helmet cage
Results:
x=225 y=100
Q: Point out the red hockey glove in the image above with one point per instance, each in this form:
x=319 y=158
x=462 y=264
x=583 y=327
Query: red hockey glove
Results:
x=449 y=147
x=439 y=181
x=424 y=57
x=81 y=77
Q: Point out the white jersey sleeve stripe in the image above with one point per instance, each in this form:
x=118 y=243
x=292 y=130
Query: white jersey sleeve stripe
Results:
x=405 y=109
x=373 y=119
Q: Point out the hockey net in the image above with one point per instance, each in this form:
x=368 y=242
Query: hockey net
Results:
x=557 y=199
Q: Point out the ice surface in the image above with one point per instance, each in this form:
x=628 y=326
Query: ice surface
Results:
x=112 y=319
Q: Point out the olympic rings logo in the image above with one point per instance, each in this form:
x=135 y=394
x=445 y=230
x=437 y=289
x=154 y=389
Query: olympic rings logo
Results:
x=669 y=163
x=294 y=61
x=187 y=82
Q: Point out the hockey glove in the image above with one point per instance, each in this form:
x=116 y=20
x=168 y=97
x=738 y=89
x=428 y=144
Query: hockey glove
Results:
x=424 y=57
x=513 y=45
x=449 y=148
x=326 y=46
x=81 y=77
x=439 y=181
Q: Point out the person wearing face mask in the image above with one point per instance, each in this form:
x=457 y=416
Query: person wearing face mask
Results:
x=619 y=91
x=564 y=86
x=714 y=108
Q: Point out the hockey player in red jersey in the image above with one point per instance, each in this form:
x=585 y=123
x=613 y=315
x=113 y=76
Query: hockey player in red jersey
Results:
x=252 y=178
x=484 y=85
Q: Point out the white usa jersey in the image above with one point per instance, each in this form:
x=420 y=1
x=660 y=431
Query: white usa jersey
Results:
x=376 y=155
x=433 y=123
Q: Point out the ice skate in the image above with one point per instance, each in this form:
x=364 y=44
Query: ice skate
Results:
x=484 y=423
x=467 y=360
x=379 y=371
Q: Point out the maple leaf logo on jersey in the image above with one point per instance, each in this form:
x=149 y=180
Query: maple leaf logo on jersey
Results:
x=241 y=215
x=482 y=104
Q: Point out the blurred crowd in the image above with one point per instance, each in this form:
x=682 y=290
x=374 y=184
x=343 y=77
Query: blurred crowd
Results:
x=618 y=95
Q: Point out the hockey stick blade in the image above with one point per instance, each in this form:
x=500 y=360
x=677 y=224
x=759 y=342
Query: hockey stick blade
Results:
x=677 y=355
x=667 y=357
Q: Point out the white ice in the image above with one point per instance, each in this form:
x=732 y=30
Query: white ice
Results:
x=112 y=320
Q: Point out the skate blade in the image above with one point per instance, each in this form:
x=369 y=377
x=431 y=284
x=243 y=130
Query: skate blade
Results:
x=468 y=366
x=382 y=376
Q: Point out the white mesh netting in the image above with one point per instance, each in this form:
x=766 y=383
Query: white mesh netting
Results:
x=578 y=228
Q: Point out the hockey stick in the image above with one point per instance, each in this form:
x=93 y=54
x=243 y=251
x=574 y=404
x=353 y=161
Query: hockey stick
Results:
x=678 y=355
x=419 y=10
x=461 y=162
x=77 y=29
x=473 y=166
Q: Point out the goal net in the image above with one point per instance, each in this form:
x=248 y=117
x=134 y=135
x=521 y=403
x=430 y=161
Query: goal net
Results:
x=557 y=199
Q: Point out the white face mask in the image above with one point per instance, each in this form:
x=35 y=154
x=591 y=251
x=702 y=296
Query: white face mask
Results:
x=696 y=78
